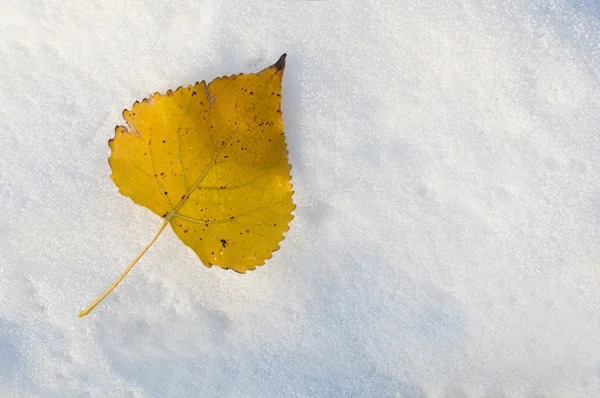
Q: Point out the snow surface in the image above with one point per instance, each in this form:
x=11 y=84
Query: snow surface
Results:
x=447 y=234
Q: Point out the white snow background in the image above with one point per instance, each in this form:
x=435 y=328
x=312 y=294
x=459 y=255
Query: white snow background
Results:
x=445 y=158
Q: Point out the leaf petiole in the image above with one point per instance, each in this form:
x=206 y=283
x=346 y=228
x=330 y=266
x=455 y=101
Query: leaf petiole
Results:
x=120 y=278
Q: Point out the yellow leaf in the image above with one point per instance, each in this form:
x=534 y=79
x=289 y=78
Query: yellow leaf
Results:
x=211 y=160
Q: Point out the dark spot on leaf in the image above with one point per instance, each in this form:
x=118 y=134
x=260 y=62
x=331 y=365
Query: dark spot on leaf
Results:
x=224 y=242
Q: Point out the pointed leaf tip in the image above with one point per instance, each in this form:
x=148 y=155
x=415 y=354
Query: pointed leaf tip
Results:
x=280 y=64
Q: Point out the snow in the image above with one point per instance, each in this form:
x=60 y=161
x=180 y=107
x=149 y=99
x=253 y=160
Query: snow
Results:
x=445 y=161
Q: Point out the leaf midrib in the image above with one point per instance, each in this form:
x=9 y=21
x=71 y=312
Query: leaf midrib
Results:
x=213 y=161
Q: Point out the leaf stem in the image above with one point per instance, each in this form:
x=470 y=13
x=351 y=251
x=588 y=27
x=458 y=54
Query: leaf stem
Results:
x=120 y=278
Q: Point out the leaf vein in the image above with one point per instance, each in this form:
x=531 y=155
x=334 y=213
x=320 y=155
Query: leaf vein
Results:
x=154 y=172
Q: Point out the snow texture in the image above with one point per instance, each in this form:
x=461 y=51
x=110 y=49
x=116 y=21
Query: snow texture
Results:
x=446 y=167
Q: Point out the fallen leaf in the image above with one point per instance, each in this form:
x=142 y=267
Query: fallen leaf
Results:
x=211 y=161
